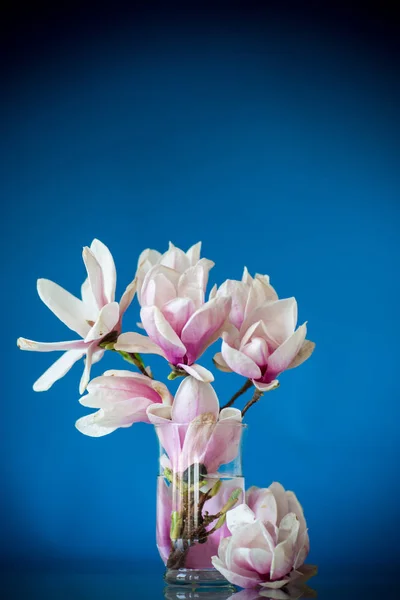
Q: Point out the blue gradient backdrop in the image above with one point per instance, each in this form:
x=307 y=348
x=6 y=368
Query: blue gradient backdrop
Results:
x=277 y=146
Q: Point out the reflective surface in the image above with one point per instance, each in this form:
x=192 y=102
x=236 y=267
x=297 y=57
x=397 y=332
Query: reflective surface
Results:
x=81 y=581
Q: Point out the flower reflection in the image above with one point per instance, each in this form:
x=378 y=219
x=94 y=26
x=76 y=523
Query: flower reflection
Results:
x=227 y=593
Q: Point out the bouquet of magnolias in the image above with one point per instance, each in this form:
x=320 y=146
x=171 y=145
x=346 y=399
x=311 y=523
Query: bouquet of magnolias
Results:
x=206 y=521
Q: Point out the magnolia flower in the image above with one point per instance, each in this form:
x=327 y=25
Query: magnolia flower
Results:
x=93 y=318
x=180 y=324
x=122 y=398
x=193 y=430
x=269 y=541
x=261 y=341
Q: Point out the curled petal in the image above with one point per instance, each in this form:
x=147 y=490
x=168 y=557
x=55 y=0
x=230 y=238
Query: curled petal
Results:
x=58 y=369
x=105 y=322
x=220 y=363
x=198 y=372
x=257 y=350
x=127 y=297
x=266 y=387
x=88 y=365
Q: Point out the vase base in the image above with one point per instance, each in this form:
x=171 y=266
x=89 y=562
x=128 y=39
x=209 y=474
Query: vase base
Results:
x=196 y=577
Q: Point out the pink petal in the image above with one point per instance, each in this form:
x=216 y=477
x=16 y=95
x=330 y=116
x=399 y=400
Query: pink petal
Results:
x=165 y=288
x=235 y=578
x=159 y=414
x=69 y=309
x=177 y=312
x=148 y=259
x=256 y=297
x=193 y=282
x=281 y=498
x=223 y=446
x=137 y=343
x=239 y=362
x=284 y=553
x=58 y=369
x=265 y=507
x=239 y=292
x=196 y=440
x=255 y=559
x=284 y=354
x=95 y=275
x=279 y=317
x=198 y=372
x=25 y=344
x=175 y=259
x=192 y=399
x=106 y=262
x=257 y=350
x=193 y=253
x=162 y=333
x=203 y=327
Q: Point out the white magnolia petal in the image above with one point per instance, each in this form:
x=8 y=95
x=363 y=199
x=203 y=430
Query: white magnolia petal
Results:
x=175 y=258
x=162 y=333
x=239 y=362
x=246 y=277
x=286 y=352
x=31 y=345
x=194 y=398
x=95 y=276
x=177 y=312
x=238 y=517
x=279 y=317
x=266 y=387
x=213 y=292
x=106 y=321
x=230 y=413
x=193 y=253
x=69 y=309
x=281 y=498
x=58 y=369
x=89 y=301
x=159 y=413
x=127 y=297
x=106 y=262
x=137 y=343
x=91 y=425
x=88 y=365
x=198 y=372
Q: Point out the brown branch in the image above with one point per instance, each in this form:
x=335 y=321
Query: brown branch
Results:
x=247 y=385
x=256 y=396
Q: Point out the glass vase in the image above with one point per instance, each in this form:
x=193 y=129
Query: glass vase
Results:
x=200 y=479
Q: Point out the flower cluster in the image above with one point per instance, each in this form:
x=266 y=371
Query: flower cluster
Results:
x=261 y=543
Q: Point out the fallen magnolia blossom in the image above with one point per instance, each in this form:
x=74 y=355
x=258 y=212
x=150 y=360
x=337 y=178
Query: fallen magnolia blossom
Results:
x=268 y=543
x=94 y=317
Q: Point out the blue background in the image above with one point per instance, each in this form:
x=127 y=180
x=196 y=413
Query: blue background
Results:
x=276 y=144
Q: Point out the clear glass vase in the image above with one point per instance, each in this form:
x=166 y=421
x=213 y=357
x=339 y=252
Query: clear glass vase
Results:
x=200 y=479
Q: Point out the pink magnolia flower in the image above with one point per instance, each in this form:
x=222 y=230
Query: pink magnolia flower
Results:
x=193 y=430
x=262 y=340
x=92 y=318
x=180 y=324
x=269 y=541
x=122 y=398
